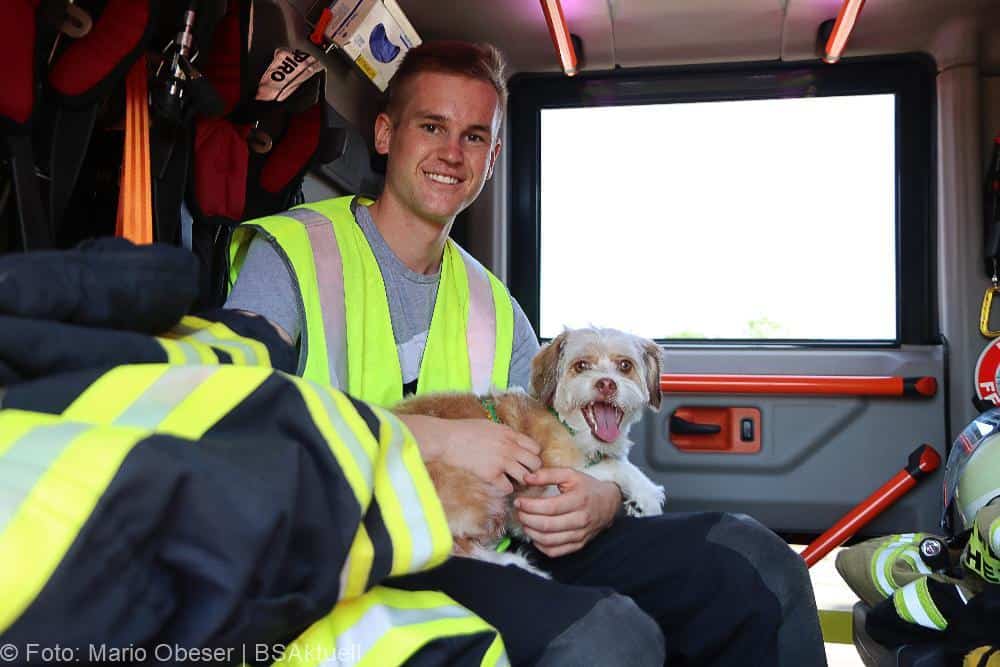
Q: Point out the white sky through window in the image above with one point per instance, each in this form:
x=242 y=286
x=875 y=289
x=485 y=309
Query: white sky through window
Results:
x=736 y=219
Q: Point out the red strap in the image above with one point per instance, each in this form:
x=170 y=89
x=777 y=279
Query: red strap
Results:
x=317 y=36
x=220 y=167
x=135 y=206
x=224 y=63
x=89 y=60
x=294 y=150
x=17 y=51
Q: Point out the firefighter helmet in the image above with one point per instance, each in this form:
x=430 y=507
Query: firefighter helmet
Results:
x=972 y=474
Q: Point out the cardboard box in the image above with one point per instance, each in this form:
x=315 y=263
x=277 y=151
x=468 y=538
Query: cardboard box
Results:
x=375 y=35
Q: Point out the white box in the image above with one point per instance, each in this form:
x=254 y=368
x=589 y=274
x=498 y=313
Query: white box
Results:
x=375 y=34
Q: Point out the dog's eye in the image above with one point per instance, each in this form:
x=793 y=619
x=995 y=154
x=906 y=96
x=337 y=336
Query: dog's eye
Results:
x=581 y=366
x=625 y=366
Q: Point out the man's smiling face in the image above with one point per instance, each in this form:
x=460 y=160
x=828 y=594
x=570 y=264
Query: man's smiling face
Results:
x=441 y=145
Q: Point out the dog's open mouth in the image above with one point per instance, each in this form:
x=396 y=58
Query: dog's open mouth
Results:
x=604 y=419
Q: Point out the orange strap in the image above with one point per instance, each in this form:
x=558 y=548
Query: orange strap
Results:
x=135 y=205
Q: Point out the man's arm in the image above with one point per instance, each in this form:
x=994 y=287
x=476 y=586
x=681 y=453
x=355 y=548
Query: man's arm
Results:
x=265 y=287
x=525 y=348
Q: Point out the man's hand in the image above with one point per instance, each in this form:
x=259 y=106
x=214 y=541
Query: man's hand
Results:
x=492 y=452
x=559 y=525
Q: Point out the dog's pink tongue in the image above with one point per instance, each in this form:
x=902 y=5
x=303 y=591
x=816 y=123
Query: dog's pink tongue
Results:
x=605 y=422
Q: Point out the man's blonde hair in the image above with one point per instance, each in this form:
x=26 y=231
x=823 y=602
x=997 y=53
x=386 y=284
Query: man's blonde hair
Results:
x=481 y=61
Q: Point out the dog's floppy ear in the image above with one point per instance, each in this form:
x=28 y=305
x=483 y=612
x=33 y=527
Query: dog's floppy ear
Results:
x=652 y=358
x=545 y=370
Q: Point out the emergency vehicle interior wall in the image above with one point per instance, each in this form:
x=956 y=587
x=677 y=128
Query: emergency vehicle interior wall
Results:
x=859 y=441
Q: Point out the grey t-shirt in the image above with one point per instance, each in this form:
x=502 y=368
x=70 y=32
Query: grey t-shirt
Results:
x=265 y=287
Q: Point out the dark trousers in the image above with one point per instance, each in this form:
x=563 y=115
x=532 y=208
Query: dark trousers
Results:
x=722 y=589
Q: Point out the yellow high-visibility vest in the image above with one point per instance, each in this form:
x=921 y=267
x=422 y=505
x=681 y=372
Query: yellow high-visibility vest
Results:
x=347 y=338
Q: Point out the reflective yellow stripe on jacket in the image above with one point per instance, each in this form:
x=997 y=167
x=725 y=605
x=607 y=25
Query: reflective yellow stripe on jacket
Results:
x=54 y=469
x=194 y=340
x=52 y=474
x=183 y=401
x=914 y=604
x=341 y=289
x=186 y=401
x=390 y=470
x=387 y=626
x=898 y=554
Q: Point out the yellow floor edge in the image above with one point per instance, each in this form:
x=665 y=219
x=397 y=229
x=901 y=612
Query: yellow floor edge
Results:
x=837 y=626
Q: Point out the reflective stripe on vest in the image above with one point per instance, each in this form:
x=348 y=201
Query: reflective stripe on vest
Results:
x=330 y=289
x=387 y=626
x=341 y=290
x=52 y=474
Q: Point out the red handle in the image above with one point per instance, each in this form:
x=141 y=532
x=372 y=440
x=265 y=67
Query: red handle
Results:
x=317 y=35
x=922 y=461
x=818 y=385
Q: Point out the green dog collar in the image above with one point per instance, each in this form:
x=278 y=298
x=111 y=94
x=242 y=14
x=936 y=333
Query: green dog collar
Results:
x=572 y=431
x=490 y=406
x=596 y=458
x=503 y=544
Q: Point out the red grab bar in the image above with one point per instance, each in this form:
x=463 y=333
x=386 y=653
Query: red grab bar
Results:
x=922 y=462
x=817 y=385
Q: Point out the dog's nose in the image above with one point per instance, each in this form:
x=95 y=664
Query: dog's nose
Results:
x=607 y=387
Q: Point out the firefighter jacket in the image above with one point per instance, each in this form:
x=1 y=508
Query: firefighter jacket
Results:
x=209 y=509
x=347 y=337
x=920 y=590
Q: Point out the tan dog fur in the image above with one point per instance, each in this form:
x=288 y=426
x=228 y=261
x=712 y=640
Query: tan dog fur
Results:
x=475 y=514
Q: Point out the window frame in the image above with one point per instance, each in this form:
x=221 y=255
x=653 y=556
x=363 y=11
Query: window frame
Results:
x=910 y=77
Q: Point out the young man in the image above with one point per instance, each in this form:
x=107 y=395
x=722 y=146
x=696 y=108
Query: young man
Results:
x=382 y=303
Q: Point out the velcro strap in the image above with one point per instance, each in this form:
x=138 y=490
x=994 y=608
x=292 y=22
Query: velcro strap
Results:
x=17 y=50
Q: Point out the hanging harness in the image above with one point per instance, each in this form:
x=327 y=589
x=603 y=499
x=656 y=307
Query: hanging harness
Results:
x=249 y=161
x=233 y=126
x=23 y=31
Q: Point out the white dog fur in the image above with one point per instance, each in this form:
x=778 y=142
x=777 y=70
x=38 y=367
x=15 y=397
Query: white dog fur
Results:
x=590 y=377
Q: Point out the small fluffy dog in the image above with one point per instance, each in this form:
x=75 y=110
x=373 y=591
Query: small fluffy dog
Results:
x=589 y=386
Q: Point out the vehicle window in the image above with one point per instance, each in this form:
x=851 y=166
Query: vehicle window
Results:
x=747 y=219
x=759 y=203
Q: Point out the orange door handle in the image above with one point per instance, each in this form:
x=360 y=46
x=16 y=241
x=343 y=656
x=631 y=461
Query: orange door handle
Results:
x=717 y=430
x=681 y=426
